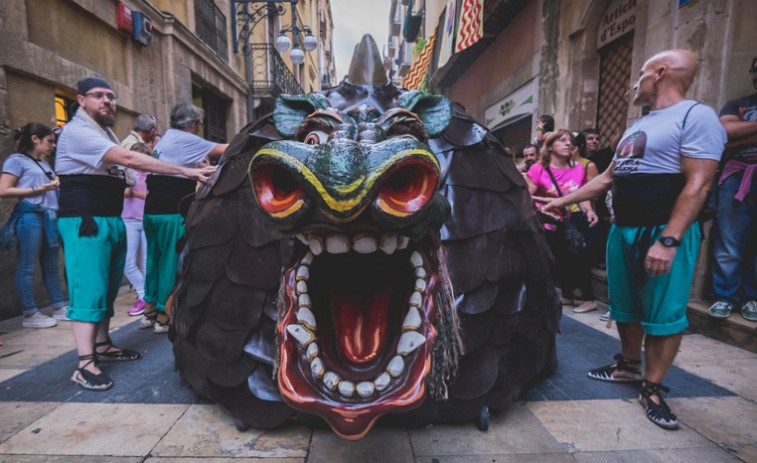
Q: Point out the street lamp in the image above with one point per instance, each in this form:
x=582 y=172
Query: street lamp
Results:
x=249 y=17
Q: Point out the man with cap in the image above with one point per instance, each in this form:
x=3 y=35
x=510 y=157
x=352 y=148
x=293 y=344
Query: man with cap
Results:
x=164 y=226
x=89 y=163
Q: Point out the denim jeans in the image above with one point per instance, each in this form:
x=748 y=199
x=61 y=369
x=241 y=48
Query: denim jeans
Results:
x=734 y=271
x=32 y=251
x=136 y=255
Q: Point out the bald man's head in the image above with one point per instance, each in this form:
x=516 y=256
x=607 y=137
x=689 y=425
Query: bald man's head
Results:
x=666 y=75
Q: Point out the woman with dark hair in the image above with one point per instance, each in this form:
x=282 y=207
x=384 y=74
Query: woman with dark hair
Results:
x=27 y=175
x=557 y=174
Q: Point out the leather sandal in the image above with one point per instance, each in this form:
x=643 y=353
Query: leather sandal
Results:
x=154 y=318
x=659 y=414
x=89 y=380
x=114 y=356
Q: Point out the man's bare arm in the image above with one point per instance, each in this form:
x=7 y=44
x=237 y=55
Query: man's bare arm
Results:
x=593 y=189
x=146 y=163
x=738 y=129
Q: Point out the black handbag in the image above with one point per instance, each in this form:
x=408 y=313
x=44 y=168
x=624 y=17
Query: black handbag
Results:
x=575 y=227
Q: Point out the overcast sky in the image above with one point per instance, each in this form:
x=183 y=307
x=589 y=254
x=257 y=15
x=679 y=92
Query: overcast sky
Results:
x=353 y=19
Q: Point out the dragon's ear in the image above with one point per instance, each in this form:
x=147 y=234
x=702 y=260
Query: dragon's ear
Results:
x=434 y=110
x=290 y=110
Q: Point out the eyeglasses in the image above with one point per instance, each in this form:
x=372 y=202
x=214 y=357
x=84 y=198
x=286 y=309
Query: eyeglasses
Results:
x=100 y=95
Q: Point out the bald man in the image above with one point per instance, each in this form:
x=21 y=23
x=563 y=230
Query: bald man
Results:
x=660 y=176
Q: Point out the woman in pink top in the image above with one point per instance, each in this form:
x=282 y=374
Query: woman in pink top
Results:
x=574 y=272
x=136 y=241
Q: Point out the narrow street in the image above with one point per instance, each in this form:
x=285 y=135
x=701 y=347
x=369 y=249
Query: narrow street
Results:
x=150 y=415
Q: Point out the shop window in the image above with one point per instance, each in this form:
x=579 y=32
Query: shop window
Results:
x=63 y=110
x=214 y=125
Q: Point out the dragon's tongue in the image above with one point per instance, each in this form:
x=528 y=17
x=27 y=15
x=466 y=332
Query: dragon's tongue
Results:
x=360 y=323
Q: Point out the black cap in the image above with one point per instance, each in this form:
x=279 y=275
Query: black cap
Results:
x=88 y=83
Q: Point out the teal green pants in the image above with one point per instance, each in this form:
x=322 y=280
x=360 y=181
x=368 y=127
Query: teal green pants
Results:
x=94 y=267
x=658 y=303
x=163 y=232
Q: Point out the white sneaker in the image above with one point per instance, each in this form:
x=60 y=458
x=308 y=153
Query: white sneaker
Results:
x=60 y=314
x=39 y=320
x=146 y=323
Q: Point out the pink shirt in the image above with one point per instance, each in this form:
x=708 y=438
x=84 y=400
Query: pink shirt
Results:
x=569 y=180
x=134 y=207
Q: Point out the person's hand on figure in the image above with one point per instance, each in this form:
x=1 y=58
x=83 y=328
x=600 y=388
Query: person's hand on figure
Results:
x=201 y=174
x=659 y=259
x=548 y=204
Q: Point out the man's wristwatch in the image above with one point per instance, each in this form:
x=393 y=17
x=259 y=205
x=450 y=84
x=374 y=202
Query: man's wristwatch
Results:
x=669 y=242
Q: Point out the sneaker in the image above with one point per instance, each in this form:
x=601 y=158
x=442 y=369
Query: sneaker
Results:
x=39 y=320
x=138 y=308
x=721 y=309
x=160 y=328
x=605 y=316
x=585 y=306
x=749 y=311
x=60 y=314
x=146 y=323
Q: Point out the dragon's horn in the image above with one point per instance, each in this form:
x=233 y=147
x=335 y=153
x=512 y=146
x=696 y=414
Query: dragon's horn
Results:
x=366 y=67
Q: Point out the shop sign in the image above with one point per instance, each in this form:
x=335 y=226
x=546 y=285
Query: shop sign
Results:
x=619 y=18
x=518 y=103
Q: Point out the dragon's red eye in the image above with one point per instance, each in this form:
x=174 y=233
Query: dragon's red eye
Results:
x=408 y=188
x=277 y=191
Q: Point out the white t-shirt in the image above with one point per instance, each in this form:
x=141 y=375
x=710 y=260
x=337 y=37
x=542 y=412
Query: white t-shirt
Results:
x=655 y=143
x=182 y=148
x=30 y=175
x=82 y=146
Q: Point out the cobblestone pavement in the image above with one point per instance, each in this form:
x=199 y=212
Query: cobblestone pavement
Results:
x=150 y=416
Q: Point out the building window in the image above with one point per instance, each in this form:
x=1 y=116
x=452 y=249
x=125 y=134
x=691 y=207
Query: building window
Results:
x=215 y=107
x=63 y=108
x=614 y=82
x=210 y=24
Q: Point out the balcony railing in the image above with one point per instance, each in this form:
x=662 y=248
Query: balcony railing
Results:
x=270 y=76
x=211 y=27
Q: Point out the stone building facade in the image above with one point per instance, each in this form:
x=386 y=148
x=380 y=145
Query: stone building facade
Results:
x=48 y=45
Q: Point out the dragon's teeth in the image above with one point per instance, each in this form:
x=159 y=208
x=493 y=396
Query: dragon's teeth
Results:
x=416 y=300
x=302 y=238
x=410 y=341
x=388 y=243
x=303 y=273
x=316 y=367
x=412 y=320
x=331 y=379
x=365 y=389
x=302 y=287
x=382 y=381
x=316 y=244
x=402 y=242
x=301 y=334
x=312 y=351
x=303 y=300
x=337 y=244
x=346 y=388
x=364 y=244
x=306 y=317
x=420 y=272
x=308 y=259
x=416 y=260
x=420 y=285
x=395 y=366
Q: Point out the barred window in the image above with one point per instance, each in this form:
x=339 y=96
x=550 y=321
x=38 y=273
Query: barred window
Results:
x=210 y=25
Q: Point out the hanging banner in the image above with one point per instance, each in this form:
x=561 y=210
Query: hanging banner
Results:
x=419 y=68
x=619 y=18
x=471 y=27
x=448 y=34
x=512 y=107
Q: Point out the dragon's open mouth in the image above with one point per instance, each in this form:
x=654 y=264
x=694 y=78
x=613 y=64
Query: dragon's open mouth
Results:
x=356 y=328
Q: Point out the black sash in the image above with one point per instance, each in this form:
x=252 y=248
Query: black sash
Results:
x=646 y=199
x=165 y=193
x=83 y=195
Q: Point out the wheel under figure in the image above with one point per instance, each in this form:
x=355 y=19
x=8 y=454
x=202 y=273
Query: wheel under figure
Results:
x=361 y=253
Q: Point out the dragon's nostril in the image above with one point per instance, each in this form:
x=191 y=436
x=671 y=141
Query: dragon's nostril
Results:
x=276 y=189
x=408 y=188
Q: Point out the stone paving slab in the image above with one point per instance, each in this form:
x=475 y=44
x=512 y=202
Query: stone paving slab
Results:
x=95 y=429
x=728 y=421
x=505 y=458
x=698 y=455
x=67 y=459
x=208 y=431
x=380 y=445
x=223 y=460
x=609 y=425
x=15 y=416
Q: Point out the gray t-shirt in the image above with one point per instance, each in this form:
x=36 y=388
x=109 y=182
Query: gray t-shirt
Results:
x=30 y=175
x=82 y=146
x=182 y=148
x=655 y=143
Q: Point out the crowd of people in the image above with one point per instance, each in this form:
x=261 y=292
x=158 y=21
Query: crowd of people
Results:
x=113 y=208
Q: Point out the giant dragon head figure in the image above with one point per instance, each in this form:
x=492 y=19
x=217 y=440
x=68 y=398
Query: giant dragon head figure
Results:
x=364 y=252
